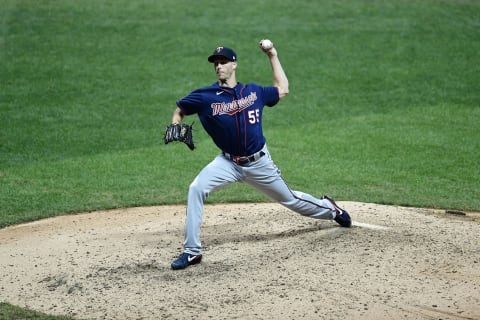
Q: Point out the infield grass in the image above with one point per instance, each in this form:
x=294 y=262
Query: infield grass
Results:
x=384 y=104
x=9 y=312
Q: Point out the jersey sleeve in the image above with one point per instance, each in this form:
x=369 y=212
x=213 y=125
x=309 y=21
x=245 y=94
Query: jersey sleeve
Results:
x=191 y=103
x=270 y=96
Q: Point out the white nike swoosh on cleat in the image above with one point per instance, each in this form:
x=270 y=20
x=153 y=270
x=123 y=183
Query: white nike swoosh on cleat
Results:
x=219 y=93
x=191 y=258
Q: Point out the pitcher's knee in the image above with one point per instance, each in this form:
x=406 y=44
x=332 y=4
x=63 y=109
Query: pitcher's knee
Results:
x=197 y=189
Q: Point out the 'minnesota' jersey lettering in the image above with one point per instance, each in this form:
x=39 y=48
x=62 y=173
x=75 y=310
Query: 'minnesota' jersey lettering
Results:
x=232 y=116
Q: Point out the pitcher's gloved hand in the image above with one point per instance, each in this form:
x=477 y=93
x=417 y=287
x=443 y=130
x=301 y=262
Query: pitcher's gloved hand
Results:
x=179 y=132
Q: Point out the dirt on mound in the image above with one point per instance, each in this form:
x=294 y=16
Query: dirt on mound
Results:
x=261 y=261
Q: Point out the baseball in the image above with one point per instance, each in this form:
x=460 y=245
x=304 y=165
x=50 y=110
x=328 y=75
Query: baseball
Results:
x=267 y=44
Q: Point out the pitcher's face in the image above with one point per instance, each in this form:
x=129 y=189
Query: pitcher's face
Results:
x=224 y=69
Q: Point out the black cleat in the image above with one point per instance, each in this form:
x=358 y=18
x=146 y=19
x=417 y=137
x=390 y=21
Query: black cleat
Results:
x=342 y=217
x=185 y=260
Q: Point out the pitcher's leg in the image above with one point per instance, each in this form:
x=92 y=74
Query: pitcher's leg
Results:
x=265 y=176
x=218 y=173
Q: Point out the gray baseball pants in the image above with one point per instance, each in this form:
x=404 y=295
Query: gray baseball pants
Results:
x=263 y=175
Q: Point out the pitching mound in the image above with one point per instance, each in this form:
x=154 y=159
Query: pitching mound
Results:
x=261 y=261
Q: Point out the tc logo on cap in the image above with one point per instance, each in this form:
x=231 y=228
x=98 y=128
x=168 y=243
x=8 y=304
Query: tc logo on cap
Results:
x=223 y=52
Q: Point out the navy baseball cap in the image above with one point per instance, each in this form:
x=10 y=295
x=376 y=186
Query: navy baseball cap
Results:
x=223 y=52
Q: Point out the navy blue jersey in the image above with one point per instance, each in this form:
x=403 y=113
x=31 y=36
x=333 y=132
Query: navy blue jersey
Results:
x=232 y=116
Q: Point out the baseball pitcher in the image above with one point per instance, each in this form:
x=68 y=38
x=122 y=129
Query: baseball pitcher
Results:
x=231 y=113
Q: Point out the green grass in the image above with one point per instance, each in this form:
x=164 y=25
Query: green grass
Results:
x=384 y=101
x=7 y=311
x=384 y=104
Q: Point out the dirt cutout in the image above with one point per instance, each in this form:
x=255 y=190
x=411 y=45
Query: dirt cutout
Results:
x=261 y=261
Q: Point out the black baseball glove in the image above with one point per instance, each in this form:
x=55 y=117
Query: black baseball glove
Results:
x=179 y=132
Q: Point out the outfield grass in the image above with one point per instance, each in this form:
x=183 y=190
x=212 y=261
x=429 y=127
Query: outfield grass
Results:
x=384 y=104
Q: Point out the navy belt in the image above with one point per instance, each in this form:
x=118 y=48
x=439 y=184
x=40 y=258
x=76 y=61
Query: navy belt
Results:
x=245 y=159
